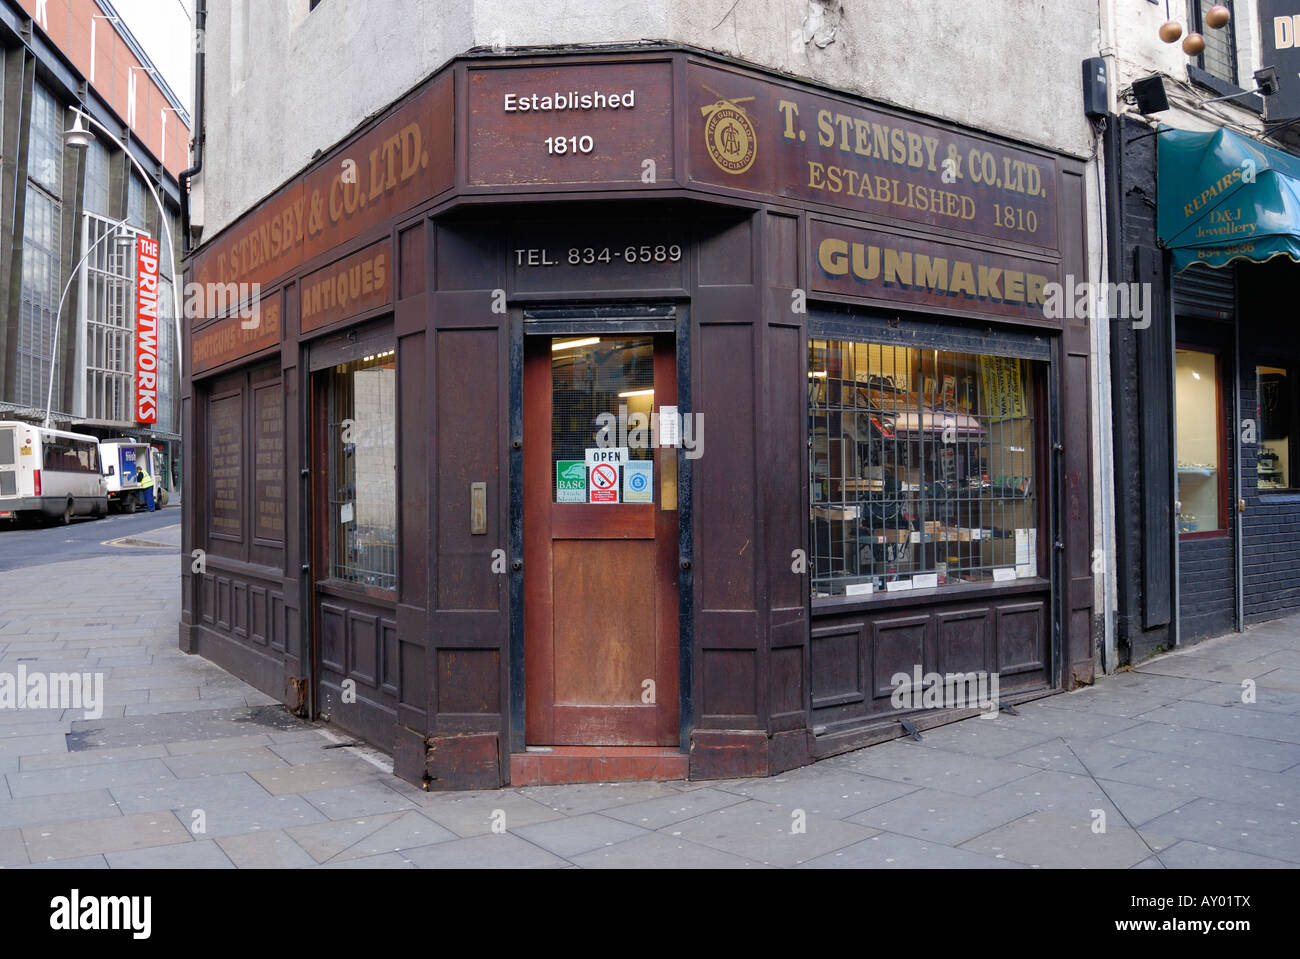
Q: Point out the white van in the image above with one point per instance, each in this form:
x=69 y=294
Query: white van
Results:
x=124 y=459
x=49 y=473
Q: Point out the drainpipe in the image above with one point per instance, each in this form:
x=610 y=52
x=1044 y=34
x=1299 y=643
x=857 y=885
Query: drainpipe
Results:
x=200 y=28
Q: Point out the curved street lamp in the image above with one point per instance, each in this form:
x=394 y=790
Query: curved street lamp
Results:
x=120 y=236
x=78 y=137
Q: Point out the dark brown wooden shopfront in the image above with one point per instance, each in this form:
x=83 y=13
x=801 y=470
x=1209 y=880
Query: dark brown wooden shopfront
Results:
x=445 y=244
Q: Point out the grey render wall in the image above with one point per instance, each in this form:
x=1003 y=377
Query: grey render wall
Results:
x=283 y=82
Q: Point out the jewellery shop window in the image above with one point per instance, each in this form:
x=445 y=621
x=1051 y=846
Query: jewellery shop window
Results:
x=923 y=466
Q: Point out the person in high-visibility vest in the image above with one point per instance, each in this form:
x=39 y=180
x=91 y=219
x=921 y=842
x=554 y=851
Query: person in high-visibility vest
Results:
x=146 y=483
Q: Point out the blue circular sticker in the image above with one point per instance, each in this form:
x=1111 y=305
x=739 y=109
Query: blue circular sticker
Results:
x=638 y=481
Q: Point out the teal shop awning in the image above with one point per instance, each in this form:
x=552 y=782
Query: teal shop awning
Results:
x=1223 y=197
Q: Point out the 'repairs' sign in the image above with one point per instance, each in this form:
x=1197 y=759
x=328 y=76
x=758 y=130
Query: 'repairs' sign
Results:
x=146 y=330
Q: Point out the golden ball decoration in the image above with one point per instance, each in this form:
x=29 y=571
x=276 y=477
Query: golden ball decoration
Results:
x=1217 y=16
x=1193 y=44
x=1170 y=31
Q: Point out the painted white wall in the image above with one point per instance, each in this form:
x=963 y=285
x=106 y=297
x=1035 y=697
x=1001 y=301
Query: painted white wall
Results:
x=1136 y=50
x=283 y=82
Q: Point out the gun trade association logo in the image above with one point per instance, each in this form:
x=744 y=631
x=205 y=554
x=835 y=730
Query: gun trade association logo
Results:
x=729 y=133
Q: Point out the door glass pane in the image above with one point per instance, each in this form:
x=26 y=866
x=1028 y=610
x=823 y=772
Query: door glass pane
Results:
x=602 y=397
x=1199 y=441
x=1276 y=426
x=362 y=471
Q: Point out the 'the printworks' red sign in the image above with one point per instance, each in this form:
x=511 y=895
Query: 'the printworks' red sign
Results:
x=146 y=330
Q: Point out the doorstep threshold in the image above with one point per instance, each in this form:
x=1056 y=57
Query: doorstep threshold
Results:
x=557 y=765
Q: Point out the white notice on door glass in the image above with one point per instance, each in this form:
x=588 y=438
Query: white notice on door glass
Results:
x=1004 y=573
x=345 y=513
x=925 y=580
x=1026 y=553
x=858 y=589
x=894 y=585
x=670 y=427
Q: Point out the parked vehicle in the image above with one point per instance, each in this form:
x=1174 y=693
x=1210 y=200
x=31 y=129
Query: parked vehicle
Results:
x=124 y=460
x=49 y=473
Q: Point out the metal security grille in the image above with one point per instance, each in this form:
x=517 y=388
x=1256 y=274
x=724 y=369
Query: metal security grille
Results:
x=362 y=417
x=40 y=298
x=108 y=299
x=41 y=253
x=96 y=196
x=922 y=467
x=1220 y=56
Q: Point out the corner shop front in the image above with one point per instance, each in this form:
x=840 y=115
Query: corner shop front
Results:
x=842 y=437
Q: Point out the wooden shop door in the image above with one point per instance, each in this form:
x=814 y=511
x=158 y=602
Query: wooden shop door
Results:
x=600 y=542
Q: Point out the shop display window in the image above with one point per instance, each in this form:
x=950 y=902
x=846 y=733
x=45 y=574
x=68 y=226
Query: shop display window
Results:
x=362 y=471
x=1200 y=443
x=1274 y=463
x=923 y=468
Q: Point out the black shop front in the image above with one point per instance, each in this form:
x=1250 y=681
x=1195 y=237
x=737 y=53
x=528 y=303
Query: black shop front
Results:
x=642 y=414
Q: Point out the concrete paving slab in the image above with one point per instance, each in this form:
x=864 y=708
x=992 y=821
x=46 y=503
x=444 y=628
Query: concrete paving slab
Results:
x=657 y=813
x=1055 y=841
x=13 y=851
x=264 y=849
x=285 y=779
x=409 y=830
x=769 y=834
x=944 y=817
x=891 y=851
x=475 y=813
x=1261 y=832
x=223 y=761
x=361 y=799
x=1236 y=719
x=574 y=800
x=658 y=851
x=837 y=793
x=201 y=854
x=392 y=860
x=492 y=851
x=67 y=779
x=910 y=763
x=1197 y=743
x=575 y=835
x=1189 y=854
x=989 y=737
x=67 y=840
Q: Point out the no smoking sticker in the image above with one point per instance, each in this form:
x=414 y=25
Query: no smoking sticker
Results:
x=602 y=483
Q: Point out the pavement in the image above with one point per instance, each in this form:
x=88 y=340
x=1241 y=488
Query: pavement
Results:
x=1164 y=766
